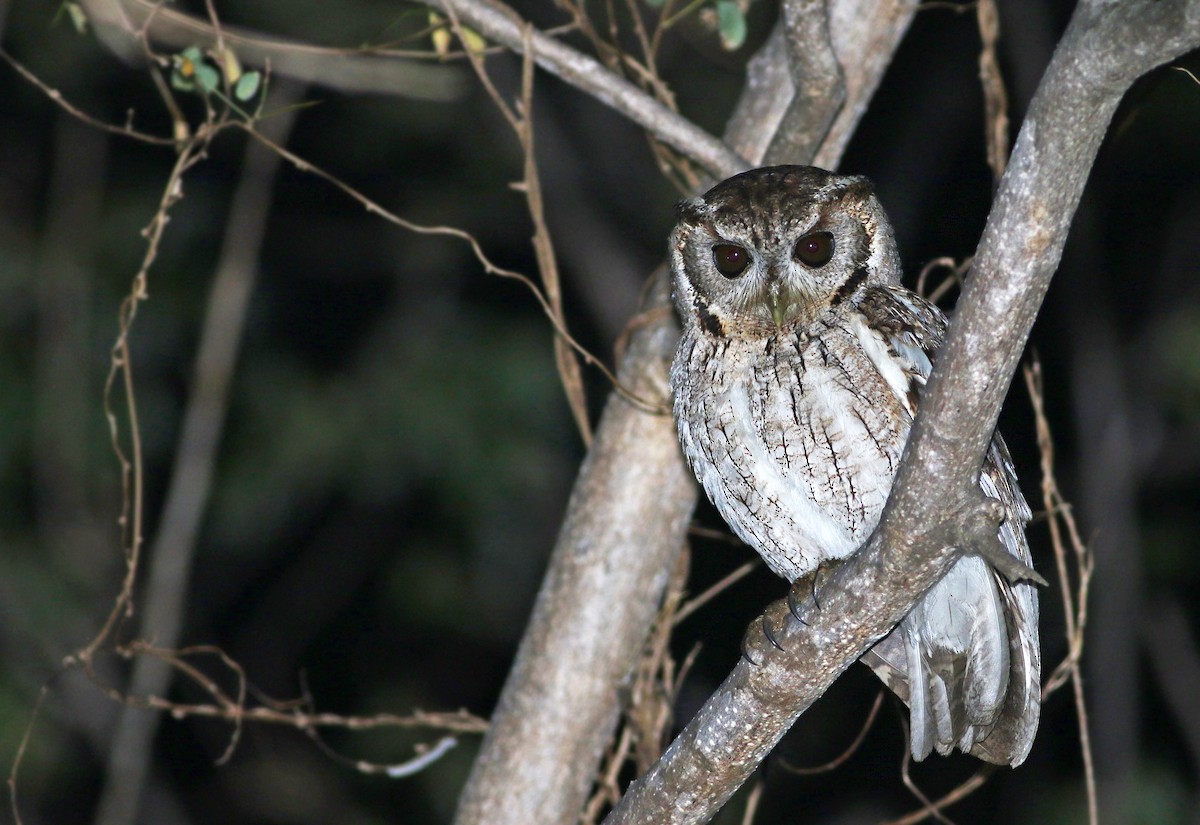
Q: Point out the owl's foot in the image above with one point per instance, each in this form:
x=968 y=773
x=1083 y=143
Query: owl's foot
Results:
x=805 y=588
x=765 y=631
x=979 y=529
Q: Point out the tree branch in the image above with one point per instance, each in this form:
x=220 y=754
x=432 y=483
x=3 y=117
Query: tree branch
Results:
x=864 y=35
x=497 y=22
x=1106 y=47
x=818 y=90
x=377 y=71
x=625 y=522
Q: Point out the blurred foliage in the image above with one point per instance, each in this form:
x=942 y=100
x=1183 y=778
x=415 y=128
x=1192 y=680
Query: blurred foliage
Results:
x=398 y=451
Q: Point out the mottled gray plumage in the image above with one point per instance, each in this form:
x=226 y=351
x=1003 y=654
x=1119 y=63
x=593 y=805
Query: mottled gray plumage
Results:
x=796 y=381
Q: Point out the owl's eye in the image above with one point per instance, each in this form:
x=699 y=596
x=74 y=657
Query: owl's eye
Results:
x=730 y=259
x=815 y=249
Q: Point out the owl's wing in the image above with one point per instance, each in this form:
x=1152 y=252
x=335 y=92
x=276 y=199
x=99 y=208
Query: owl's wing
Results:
x=972 y=640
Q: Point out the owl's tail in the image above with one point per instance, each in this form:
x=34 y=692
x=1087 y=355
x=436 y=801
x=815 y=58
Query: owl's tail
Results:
x=966 y=665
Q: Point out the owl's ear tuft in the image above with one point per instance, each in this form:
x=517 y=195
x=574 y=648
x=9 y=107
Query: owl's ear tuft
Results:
x=690 y=210
x=858 y=187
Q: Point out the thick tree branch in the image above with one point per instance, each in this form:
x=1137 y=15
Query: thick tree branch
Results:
x=818 y=90
x=624 y=525
x=864 y=35
x=625 y=522
x=934 y=505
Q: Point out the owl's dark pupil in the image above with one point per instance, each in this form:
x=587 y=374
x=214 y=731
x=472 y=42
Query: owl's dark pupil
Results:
x=815 y=249
x=730 y=259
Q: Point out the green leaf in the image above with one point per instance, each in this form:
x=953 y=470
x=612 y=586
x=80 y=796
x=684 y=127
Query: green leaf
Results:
x=656 y=4
x=731 y=25
x=207 y=78
x=247 y=86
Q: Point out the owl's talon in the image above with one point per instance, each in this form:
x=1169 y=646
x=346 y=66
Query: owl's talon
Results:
x=752 y=642
x=805 y=588
x=796 y=599
x=763 y=630
x=983 y=521
x=1006 y=564
x=772 y=619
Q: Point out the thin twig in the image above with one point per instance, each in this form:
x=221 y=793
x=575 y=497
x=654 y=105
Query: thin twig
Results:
x=933 y=809
x=520 y=118
x=752 y=800
x=995 y=98
x=121 y=365
x=19 y=758
x=188 y=489
x=726 y=581
x=837 y=761
x=488 y=267
x=57 y=97
x=1074 y=607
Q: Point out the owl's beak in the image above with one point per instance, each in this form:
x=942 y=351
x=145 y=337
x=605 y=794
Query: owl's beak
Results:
x=777 y=301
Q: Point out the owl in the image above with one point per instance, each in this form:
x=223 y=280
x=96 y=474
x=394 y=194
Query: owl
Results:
x=796 y=381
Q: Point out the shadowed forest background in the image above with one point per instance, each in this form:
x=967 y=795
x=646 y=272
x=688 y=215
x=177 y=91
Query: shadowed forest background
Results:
x=398 y=449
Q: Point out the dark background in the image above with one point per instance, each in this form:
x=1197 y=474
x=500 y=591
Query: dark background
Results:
x=398 y=450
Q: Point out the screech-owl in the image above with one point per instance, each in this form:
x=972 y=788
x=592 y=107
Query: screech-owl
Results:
x=796 y=381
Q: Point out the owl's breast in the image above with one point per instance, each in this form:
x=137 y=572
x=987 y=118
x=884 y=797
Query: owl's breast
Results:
x=795 y=439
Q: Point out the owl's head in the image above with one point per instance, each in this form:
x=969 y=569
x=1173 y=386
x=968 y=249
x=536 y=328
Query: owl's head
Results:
x=774 y=248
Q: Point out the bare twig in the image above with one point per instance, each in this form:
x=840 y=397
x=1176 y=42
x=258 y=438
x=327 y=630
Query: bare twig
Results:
x=521 y=120
x=640 y=401
x=726 y=581
x=1074 y=604
x=121 y=368
x=56 y=96
x=929 y=808
x=837 y=761
x=995 y=98
x=957 y=273
x=934 y=808
x=752 y=800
